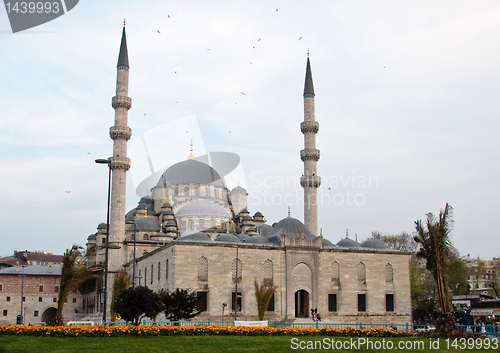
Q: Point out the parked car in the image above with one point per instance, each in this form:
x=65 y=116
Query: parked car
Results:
x=424 y=328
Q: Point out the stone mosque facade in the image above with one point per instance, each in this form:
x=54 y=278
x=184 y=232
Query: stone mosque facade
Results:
x=193 y=232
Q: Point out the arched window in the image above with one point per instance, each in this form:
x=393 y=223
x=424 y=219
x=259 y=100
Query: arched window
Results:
x=335 y=273
x=196 y=192
x=159 y=271
x=212 y=223
x=201 y=224
x=176 y=191
x=186 y=191
x=389 y=274
x=145 y=237
x=361 y=272
x=267 y=269
x=202 y=269
x=190 y=224
x=240 y=270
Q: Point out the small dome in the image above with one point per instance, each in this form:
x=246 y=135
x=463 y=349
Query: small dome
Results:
x=348 y=243
x=159 y=235
x=257 y=239
x=228 y=238
x=239 y=190
x=274 y=224
x=247 y=217
x=145 y=224
x=166 y=205
x=92 y=237
x=258 y=214
x=243 y=236
x=292 y=228
x=145 y=199
x=190 y=171
x=373 y=243
x=171 y=223
x=328 y=244
x=244 y=211
x=202 y=208
x=169 y=213
x=197 y=236
x=102 y=226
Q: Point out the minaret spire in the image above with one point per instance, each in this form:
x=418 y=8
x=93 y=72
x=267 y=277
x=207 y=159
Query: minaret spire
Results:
x=310 y=181
x=191 y=156
x=119 y=163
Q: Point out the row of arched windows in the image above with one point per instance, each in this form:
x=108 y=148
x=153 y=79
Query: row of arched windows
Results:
x=236 y=269
x=360 y=272
x=199 y=192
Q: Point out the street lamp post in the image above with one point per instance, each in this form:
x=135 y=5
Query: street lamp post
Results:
x=133 y=264
x=22 y=296
x=236 y=286
x=106 y=161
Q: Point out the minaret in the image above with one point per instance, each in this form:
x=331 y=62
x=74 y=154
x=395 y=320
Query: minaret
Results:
x=310 y=181
x=119 y=163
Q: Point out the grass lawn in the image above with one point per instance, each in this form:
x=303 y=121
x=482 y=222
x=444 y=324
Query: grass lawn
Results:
x=194 y=344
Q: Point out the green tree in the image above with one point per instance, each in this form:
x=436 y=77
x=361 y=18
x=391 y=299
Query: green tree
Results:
x=263 y=295
x=434 y=239
x=121 y=282
x=74 y=272
x=180 y=304
x=134 y=303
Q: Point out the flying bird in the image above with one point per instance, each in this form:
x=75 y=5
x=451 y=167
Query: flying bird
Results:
x=88 y=152
x=300 y=38
x=276 y=10
x=158 y=32
x=258 y=40
x=243 y=93
x=168 y=16
x=175 y=72
x=68 y=192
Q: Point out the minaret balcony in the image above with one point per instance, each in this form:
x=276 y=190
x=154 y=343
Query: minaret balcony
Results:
x=122 y=163
x=312 y=181
x=309 y=154
x=120 y=132
x=309 y=126
x=121 y=102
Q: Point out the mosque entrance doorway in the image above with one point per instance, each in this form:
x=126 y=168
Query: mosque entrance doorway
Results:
x=49 y=316
x=301 y=303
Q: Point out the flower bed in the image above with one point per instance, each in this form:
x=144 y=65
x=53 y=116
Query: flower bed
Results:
x=155 y=330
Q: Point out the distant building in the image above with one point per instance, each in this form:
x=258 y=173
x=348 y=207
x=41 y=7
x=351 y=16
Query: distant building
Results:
x=40 y=292
x=38 y=258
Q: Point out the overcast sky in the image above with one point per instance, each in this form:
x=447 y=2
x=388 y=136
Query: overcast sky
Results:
x=406 y=99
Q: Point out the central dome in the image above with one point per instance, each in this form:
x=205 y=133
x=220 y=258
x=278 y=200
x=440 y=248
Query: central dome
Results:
x=292 y=228
x=191 y=172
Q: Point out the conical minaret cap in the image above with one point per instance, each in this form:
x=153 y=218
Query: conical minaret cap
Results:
x=308 y=86
x=123 y=57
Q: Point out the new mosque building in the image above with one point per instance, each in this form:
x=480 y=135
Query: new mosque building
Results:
x=191 y=231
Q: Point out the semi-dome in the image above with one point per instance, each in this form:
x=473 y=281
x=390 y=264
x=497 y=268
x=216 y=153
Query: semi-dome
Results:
x=292 y=228
x=239 y=190
x=228 y=238
x=171 y=223
x=145 y=224
x=191 y=171
x=244 y=211
x=166 y=205
x=257 y=239
x=92 y=237
x=247 y=218
x=264 y=229
x=130 y=215
x=145 y=199
x=202 y=208
x=197 y=236
x=373 y=243
x=258 y=214
x=169 y=212
x=348 y=243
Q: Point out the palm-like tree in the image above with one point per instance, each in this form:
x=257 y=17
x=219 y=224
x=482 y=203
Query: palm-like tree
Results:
x=122 y=281
x=263 y=295
x=435 y=247
x=74 y=272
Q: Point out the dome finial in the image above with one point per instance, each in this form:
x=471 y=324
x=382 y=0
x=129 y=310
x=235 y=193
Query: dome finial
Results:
x=191 y=156
x=124 y=22
x=347 y=233
x=307 y=49
x=146 y=211
x=288 y=211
